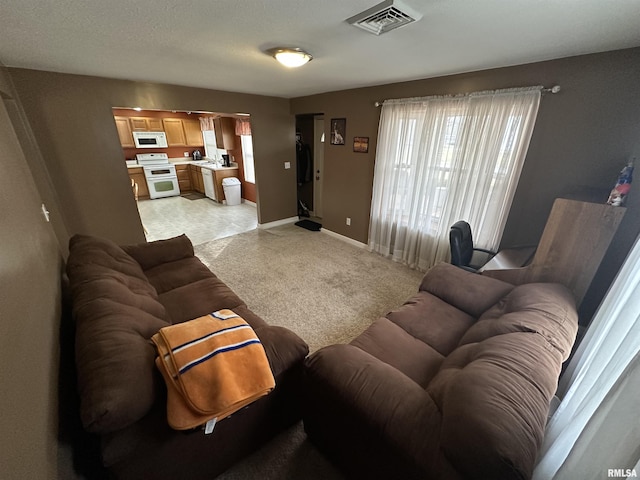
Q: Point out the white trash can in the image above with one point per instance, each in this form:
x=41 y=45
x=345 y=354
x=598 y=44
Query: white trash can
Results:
x=231 y=187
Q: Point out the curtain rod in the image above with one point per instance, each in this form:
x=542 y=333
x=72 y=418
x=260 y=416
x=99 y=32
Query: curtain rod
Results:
x=555 y=89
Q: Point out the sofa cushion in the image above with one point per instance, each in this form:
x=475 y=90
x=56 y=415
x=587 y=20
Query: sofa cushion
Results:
x=433 y=321
x=149 y=255
x=117 y=380
x=544 y=308
x=178 y=273
x=494 y=397
x=393 y=345
x=116 y=311
x=469 y=292
x=202 y=296
x=95 y=257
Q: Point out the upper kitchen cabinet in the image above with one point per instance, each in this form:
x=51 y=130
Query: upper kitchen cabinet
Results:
x=181 y=129
x=183 y=132
x=193 y=132
x=175 y=132
x=225 y=128
x=124 y=131
x=146 y=124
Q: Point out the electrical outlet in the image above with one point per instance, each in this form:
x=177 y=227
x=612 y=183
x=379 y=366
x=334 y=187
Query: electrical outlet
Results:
x=186 y=154
x=348 y=220
x=287 y=165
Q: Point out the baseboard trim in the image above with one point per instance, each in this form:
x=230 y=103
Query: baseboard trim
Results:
x=244 y=200
x=277 y=223
x=344 y=238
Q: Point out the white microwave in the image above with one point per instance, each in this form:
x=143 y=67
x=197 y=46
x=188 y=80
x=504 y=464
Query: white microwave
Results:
x=150 y=139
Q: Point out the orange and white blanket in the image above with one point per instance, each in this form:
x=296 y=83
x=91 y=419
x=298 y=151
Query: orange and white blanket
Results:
x=213 y=366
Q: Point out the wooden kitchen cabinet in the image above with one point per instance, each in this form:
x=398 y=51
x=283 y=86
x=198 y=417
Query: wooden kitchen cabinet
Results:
x=124 y=132
x=193 y=133
x=196 y=178
x=183 y=132
x=184 y=177
x=175 y=132
x=146 y=124
x=137 y=175
x=225 y=128
x=218 y=176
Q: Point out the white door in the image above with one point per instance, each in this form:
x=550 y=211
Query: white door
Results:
x=318 y=164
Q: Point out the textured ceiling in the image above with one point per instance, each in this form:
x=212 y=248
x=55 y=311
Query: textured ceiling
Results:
x=219 y=44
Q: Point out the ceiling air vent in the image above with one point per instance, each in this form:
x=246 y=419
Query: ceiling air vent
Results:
x=384 y=17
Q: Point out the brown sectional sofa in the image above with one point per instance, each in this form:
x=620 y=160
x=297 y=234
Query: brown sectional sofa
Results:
x=454 y=384
x=120 y=298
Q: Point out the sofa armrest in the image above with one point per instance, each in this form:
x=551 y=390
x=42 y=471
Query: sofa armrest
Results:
x=152 y=254
x=283 y=347
x=469 y=292
x=353 y=402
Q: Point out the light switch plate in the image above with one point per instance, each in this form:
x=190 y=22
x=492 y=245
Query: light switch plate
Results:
x=287 y=165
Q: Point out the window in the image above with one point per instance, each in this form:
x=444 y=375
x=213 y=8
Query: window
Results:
x=247 y=157
x=444 y=159
x=211 y=150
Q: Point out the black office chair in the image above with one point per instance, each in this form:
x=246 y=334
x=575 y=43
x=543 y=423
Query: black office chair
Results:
x=463 y=254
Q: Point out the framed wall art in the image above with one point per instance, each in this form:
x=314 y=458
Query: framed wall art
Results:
x=338 y=130
x=361 y=144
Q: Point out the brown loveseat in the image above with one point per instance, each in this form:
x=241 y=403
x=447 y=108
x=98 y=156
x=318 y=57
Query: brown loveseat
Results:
x=120 y=298
x=454 y=384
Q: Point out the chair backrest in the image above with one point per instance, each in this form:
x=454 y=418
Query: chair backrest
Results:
x=461 y=243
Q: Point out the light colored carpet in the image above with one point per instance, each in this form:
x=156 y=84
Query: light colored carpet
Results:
x=325 y=290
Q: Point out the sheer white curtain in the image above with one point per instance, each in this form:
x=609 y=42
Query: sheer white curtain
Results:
x=596 y=427
x=444 y=159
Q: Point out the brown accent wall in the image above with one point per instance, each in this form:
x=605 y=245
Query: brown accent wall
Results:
x=30 y=304
x=583 y=137
x=72 y=118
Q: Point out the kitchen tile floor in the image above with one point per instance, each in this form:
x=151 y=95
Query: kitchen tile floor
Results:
x=202 y=220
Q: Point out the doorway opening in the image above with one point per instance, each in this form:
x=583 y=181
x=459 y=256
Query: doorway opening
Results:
x=310 y=164
x=199 y=153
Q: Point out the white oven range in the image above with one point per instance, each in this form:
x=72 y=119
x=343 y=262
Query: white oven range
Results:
x=161 y=176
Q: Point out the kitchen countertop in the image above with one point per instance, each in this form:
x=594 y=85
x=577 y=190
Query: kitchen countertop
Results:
x=200 y=163
x=212 y=166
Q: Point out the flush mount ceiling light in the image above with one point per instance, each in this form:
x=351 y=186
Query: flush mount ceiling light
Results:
x=290 y=57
